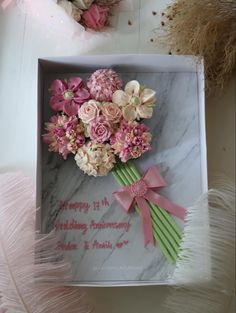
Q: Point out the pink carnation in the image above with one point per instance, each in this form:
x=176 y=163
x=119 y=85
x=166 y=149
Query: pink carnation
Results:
x=64 y=135
x=131 y=140
x=100 y=129
x=95 y=17
x=67 y=96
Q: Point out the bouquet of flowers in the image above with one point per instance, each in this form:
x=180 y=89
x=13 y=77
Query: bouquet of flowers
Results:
x=102 y=126
x=93 y=14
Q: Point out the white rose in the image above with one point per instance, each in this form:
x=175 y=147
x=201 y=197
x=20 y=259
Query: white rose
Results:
x=111 y=111
x=89 y=111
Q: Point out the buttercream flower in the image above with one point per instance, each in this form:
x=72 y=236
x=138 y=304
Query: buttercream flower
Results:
x=111 y=111
x=67 y=96
x=71 y=9
x=95 y=17
x=109 y=3
x=95 y=159
x=103 y=83
x=131 y=140
x=136 y=101
x=82 y=4
x=89 y=111
x=64 y=135
x=100 y=129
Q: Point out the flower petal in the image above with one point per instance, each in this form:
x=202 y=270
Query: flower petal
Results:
x=144 y=111
x=58 y=87
x=81 y=96
x=120 y=98
x=71 y=108
x=132 y=88
x=57 y=102
x=129 y=113
x=148 y=95
x=74 y=83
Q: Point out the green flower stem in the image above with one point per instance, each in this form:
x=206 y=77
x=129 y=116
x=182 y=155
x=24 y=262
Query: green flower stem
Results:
x=167 y=216
x=157 y=217
x=159 y=232
x=119 y=178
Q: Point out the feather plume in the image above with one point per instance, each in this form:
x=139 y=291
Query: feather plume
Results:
x=217 y=246
x=28 y=259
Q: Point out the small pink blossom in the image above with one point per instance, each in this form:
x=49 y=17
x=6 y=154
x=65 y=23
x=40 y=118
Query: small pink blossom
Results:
x=95 y=17
x=68 y=96
x=100 y=129
x=64 y=135
x=131 y=140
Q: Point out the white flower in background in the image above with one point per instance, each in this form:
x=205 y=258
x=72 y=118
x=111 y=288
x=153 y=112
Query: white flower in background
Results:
x=107 y=2
x=95 y=159
x=136 y=101
x=82 y=4
x=71 y=9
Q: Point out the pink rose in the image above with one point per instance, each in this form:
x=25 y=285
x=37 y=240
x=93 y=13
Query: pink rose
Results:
x=95 y=17
x=89 y=111
x=111 y=111
x=100 y=130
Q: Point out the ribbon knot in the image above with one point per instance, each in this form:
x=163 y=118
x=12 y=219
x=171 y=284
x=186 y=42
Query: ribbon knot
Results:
x=140 y=192
x=139 y=188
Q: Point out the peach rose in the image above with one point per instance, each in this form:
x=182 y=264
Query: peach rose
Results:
x=89 y=111
x=111 y=111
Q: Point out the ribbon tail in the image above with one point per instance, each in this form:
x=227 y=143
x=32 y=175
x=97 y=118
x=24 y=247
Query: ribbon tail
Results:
x=146 y=219
x=166 y=204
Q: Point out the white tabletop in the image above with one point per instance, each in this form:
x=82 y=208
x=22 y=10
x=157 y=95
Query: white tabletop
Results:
x=23 y=40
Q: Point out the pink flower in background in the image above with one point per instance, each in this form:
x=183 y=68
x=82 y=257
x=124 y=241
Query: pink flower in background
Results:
x=95 y=17
x=68 y=96
x=64 y=135
x=131 y=140
x=100 y=129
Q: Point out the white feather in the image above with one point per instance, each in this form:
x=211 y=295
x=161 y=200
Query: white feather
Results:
x=204 y=279
x=27 y=260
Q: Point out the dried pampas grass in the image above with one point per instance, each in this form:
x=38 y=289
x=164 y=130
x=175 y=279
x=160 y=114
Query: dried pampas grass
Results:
x=206 y=28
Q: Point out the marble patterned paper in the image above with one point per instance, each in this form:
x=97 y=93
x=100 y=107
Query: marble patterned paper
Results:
x=103 y=243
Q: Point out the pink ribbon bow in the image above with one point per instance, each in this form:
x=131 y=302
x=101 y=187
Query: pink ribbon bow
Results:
x=139 y=192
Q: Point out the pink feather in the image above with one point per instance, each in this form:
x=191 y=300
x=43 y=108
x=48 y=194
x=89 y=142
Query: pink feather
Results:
x=31 y=271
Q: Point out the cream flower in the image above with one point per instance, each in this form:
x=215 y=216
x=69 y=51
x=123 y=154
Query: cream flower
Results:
x=82 y=4
x=136 y=101
x=89 y=111
x=95 y=159
x=71 y=9
x=111 y=111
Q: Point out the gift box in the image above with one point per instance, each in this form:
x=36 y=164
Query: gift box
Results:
x=103 y=243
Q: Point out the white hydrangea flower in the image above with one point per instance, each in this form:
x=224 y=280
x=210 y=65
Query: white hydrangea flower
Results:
x=96 y=159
